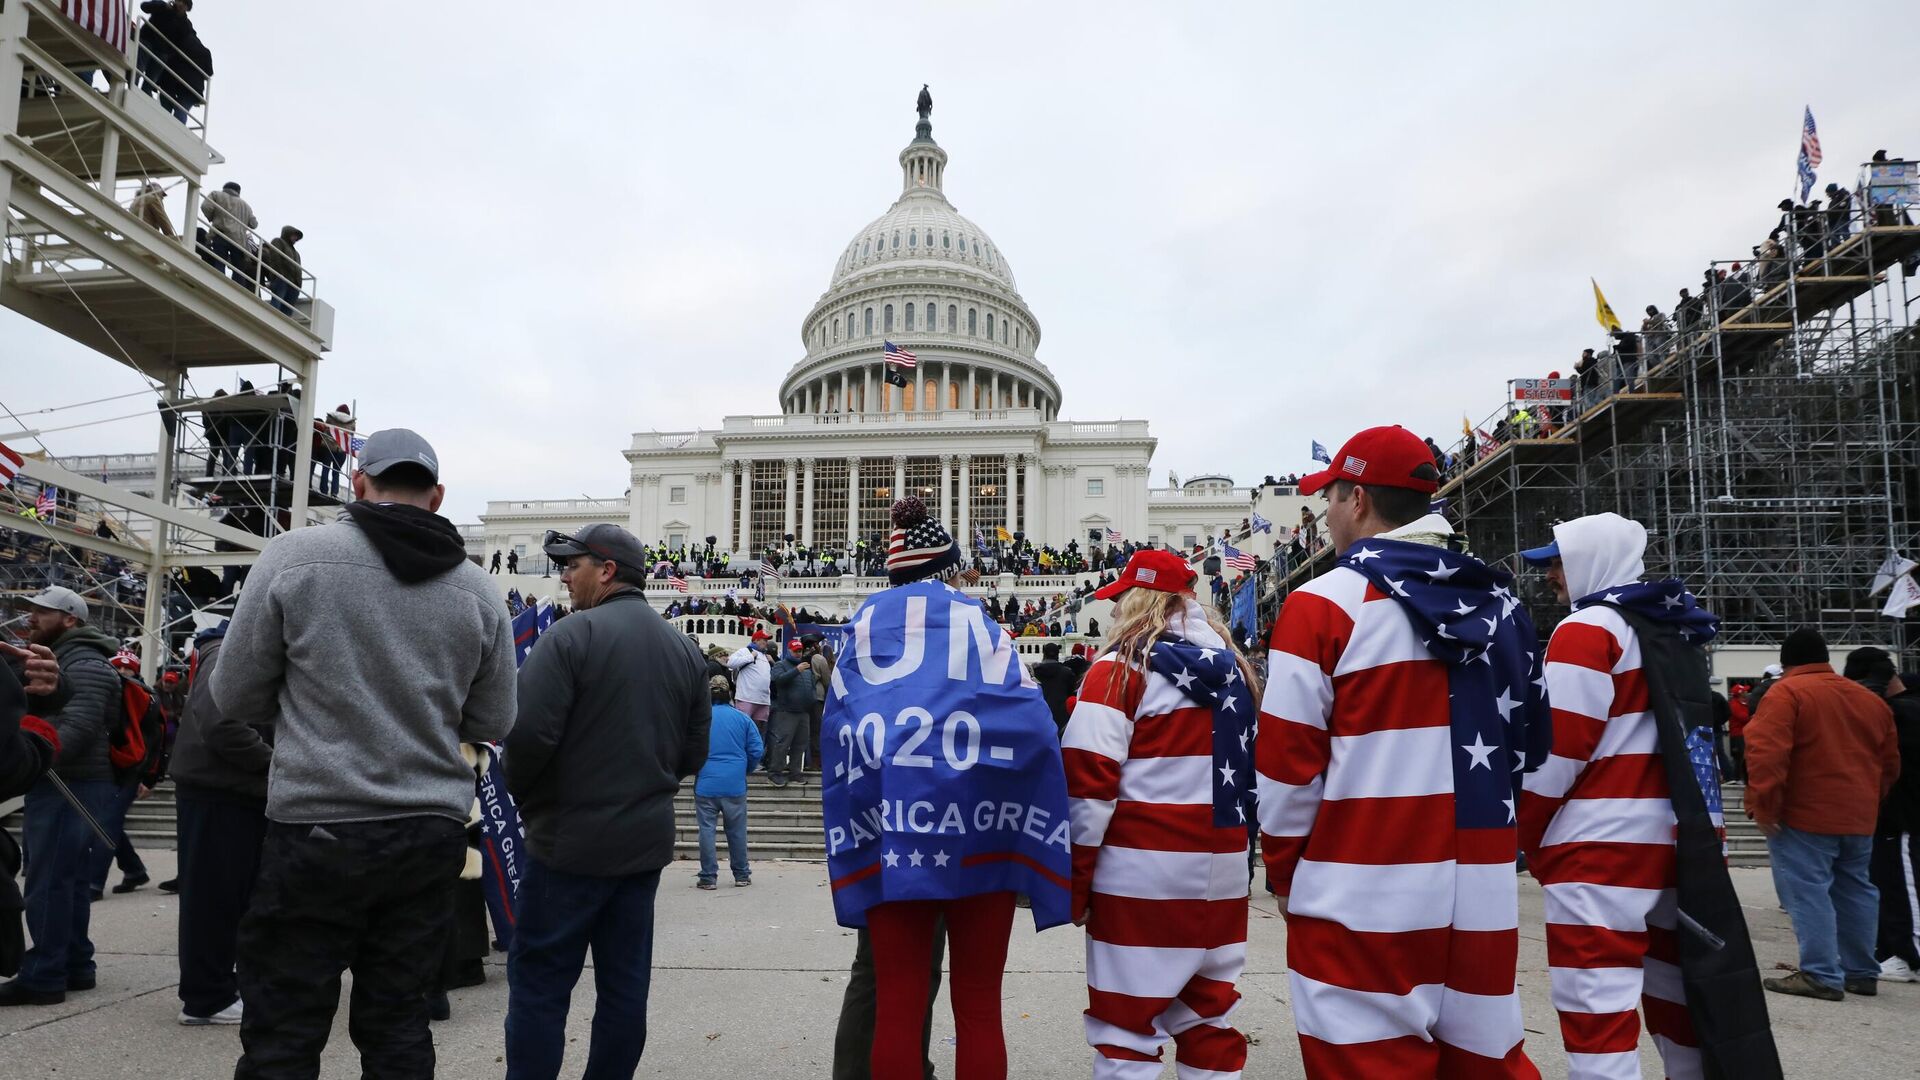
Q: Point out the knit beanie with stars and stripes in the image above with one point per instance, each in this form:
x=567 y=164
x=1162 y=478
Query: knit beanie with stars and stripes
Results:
x=919 y=548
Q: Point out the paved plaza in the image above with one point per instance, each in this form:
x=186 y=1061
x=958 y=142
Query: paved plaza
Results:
x=747 y=983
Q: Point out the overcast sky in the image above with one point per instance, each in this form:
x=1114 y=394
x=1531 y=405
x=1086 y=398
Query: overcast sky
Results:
x=546 y=227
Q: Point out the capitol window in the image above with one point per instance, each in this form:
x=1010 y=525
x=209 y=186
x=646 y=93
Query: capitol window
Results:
x=896 y=239
x=676 y=494
x=946 y=240
x=973 y=322
x=913 y=239
x=953 y=318
x=989 y=324
x=909 y=316
x=869 y=322
x=865 y=247
x=886 y=319
x=1096 y=488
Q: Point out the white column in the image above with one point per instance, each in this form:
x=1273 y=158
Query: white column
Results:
x=1026 y=485
x=846 y=403
x=806 y=506
x=972 y=400
x=965 y=534
x=946 y=488
x=866 y=389
x=853 y=501
x=1013 y=508
x=792 y=465
x=899 y=476
x=994 y=389
x=727 y=473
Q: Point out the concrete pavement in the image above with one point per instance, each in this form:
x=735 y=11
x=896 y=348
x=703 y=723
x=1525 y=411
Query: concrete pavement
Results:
x=747 y=982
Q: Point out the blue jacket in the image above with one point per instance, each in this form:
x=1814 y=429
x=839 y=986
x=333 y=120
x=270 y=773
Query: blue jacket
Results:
x=733 y=745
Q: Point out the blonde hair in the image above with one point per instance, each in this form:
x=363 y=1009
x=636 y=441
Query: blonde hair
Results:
x=1141 y=618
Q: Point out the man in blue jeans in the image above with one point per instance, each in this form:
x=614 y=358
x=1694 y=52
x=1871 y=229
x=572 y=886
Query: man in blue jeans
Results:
x=614 y=710
x=720 y=791
x=1821 y=755
x=57 y=836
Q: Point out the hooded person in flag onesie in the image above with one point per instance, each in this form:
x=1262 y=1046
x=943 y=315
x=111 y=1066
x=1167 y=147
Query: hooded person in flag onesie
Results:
x=1598 y=820
x=1159 y=769
x=1404 y=704
x=943 y=796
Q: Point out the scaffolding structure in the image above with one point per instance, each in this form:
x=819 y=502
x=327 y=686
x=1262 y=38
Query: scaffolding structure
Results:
x=92 y=251
x=1768 y=444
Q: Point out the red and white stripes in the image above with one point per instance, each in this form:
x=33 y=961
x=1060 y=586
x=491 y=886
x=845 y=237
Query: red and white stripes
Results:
x=1597 y=824
x=1403 y=928
x=1166 y=888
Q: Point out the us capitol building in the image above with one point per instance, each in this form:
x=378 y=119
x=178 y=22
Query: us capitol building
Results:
x=976 y=432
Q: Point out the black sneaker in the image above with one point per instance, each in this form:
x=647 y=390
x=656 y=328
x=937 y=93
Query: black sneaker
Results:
x=438 y=1007
x=82 y=982
x=171 y=885
x=129 y=884
x=1863 y=987
x=14 y=993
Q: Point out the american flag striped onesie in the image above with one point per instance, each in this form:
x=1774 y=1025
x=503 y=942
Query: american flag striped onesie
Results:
x=1402 y=929
x=1168 y=888
x=1597 y=824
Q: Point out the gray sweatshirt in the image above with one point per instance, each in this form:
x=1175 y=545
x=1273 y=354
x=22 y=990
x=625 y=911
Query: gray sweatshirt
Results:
x=370 y=684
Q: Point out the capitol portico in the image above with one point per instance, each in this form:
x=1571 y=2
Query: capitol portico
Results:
x=976 y=431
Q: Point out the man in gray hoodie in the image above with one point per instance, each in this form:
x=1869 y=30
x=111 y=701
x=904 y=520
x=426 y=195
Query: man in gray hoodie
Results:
x=374 y=649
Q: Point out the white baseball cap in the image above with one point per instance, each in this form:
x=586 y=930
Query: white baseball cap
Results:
x=62 y=599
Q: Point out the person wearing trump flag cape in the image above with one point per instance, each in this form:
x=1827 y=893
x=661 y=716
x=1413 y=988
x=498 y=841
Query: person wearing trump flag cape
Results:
x=1404 y=704
x=1623 y=826
x=943 y=796
x=1158 y=754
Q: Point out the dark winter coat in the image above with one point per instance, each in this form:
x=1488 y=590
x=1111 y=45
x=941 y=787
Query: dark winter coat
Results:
x=214 y=752
x=792 y=683
x=87 y=723
x=614 y=713
x=1057 y=684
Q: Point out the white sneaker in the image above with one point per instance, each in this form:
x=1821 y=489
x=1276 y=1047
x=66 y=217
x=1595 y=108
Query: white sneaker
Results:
x=1894 y=969
x=225 y=1017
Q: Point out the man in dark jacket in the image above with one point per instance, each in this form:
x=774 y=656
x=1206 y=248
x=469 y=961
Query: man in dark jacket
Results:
x=281 y=260
x=220 y=765
x=57 y=836
x=1057 y=682
x=1896 y=837
x=614 y=713
x=792 y=681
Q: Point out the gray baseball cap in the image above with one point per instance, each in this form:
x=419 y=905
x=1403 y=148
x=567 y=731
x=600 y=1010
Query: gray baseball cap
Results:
x=610 y=543
x=398 y=446
x=61 y=599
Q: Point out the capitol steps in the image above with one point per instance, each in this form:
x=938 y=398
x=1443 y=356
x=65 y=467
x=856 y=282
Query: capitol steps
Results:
x=785 y=823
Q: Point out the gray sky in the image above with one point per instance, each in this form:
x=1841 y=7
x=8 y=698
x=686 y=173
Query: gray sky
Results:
x=548 y=226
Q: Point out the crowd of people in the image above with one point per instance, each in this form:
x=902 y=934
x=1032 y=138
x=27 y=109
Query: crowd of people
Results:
x=326 y=823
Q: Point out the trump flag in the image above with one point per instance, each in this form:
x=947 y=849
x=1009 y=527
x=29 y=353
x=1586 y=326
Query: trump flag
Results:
x=942 y=763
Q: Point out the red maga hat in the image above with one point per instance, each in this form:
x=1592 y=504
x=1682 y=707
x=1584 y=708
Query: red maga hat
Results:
x=1380 y=457
x=1151 y=568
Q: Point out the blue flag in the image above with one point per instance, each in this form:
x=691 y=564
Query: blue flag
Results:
x=526 y=630
x=1245 y=610
x=1320 y=453
x=1261 y=524
x=942 y=762
x=502 y=839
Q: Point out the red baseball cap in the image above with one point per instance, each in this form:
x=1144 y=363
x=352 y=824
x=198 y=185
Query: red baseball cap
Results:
x=1380 y=457
x=1151 y=568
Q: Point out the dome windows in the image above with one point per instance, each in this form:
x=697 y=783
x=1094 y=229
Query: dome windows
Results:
x=946 y=240
x=896 y=239
x=909 y=314
x=989 y=326
x=973 y=322
x=886 y=319
x=913 y=239
x=869 y=322
x=865 y=248
x=953 y=319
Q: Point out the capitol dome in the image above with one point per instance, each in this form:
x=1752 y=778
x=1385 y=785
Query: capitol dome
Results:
x=932 y=282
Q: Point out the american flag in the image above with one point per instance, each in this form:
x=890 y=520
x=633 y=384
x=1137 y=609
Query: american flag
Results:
x=679 y=583
x=358 y=443
x=899 y=357
x=1113 y=535
x=1243 y=561
x=106 y=19
x=1809 y=154
x=10 y=462
x=768 y=568
x=340 y=437
x=44 y=505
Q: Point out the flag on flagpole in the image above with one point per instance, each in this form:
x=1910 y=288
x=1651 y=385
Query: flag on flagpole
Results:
x=1243 y=561
x=1809 y=154
x=979 y=539
x=1113 y=535
x=1602 y=310
x=1320 y=453
x=1889 y=571
x=1466 y=427
x=10 y=463
x=896 y=356
x=44 y=505
x=1261 y=524
x=678 y=583
x=1001 y=532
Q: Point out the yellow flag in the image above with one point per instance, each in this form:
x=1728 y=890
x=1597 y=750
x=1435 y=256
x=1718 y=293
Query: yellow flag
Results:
x=1005 y=536
x=1602 y=310
x=1466 y=428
